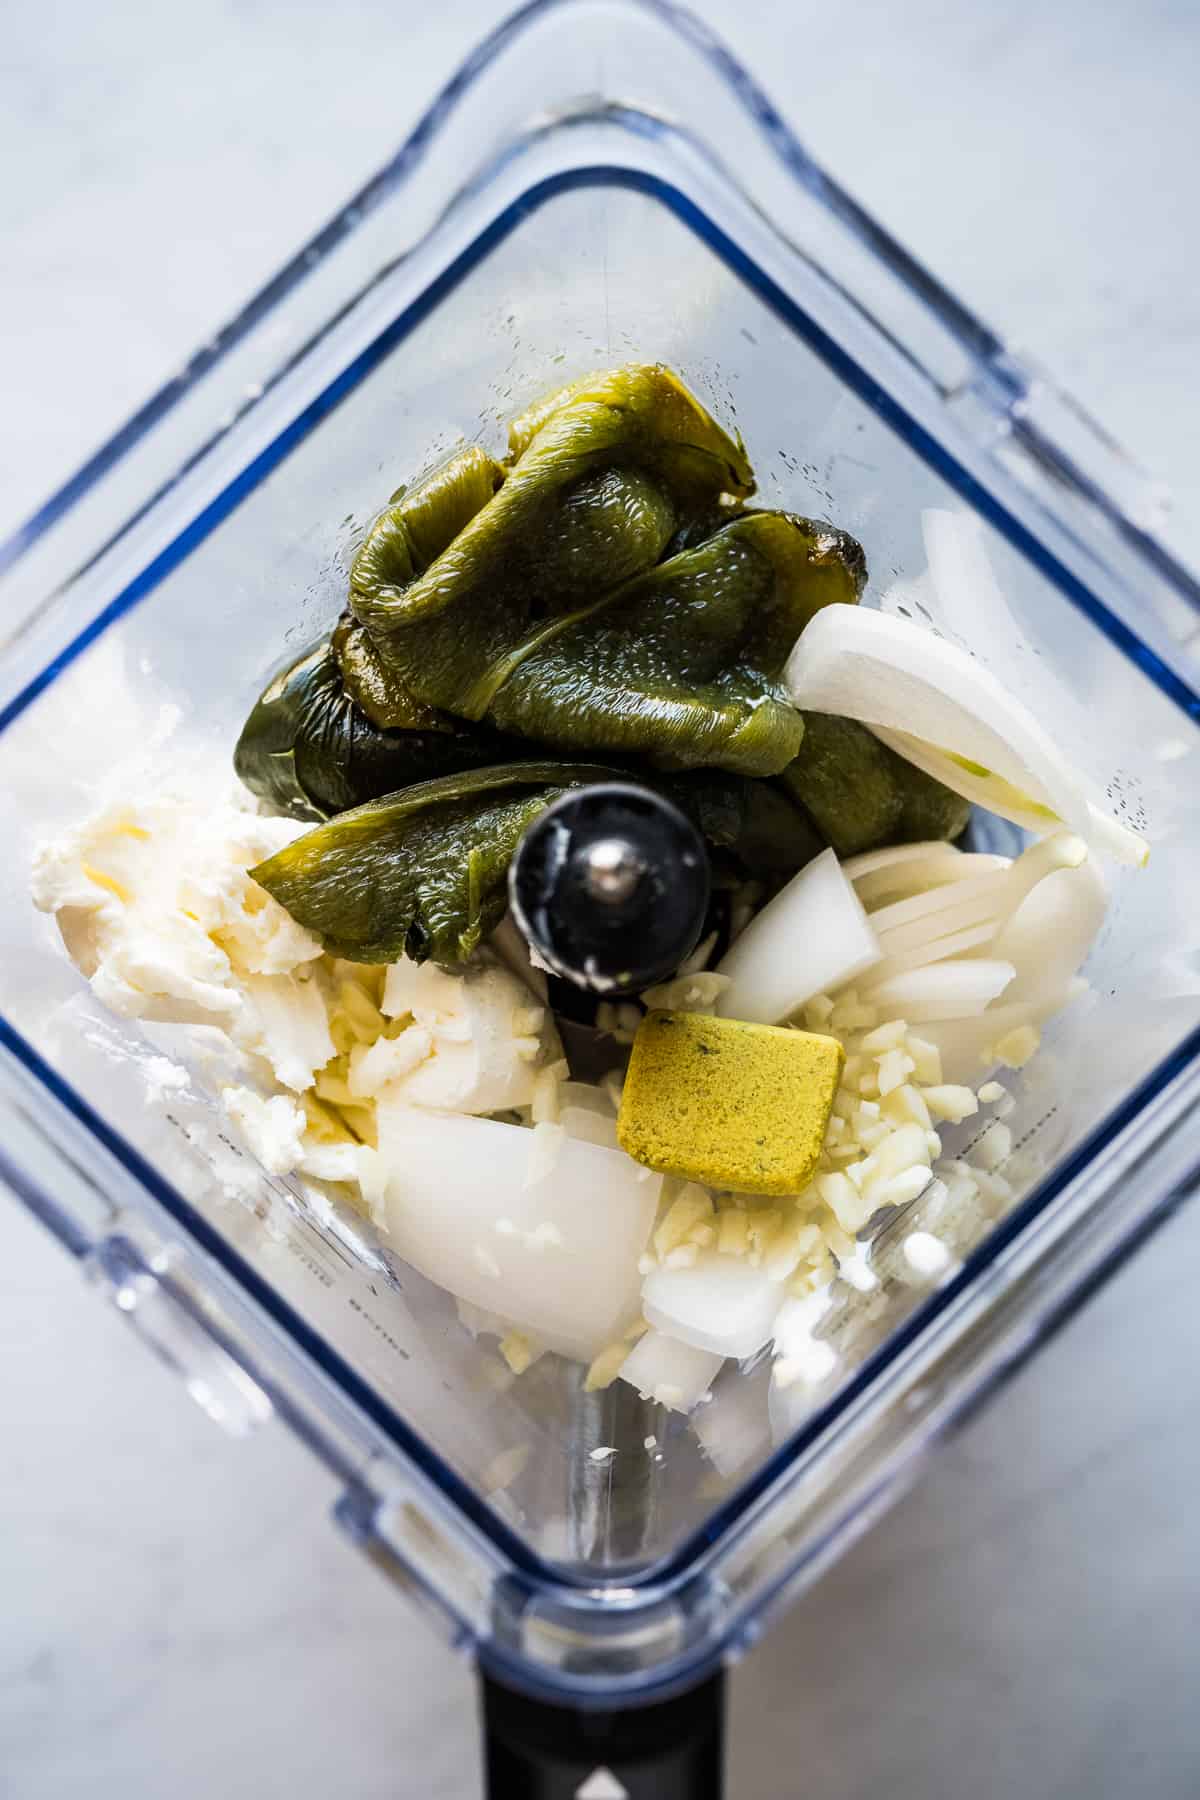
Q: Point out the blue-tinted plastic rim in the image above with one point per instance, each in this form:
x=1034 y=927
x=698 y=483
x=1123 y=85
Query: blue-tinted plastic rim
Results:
x=679 y=1563
x=976 y=338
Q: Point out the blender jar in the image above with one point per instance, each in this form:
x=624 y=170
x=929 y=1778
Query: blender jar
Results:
x=601 y=182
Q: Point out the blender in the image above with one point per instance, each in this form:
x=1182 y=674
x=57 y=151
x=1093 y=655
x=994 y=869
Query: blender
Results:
x=601 y=181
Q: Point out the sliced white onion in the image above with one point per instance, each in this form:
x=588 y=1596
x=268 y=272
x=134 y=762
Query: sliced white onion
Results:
x=721 y=1303
x=937 y=865
x=811 y=938
x=963 y=1043
x=458 y=1208
x=873 y=862
x=958 y=943
x=675 y=1374
x=937 y=912
x=945 y=712
x=960 y=905
x=985 y=787
x=1052 y=932
x=944 y=990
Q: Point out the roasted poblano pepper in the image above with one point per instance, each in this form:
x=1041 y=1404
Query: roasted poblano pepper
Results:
x=422 y=872
x=682 y=664
x=606 y=594
x=418 y=523
x=385 y=701
x=310 y=751
x=861 y=795
x=603 y=473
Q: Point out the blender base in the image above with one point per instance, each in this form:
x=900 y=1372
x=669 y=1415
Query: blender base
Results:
x=669 y=1751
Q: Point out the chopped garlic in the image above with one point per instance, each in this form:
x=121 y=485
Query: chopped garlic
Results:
x=692 y=1207
x=361 y=1011
x=894 y=1069
x=792 y=1243
x=840 y=1242
x=843 y=1200
x=1016 y=1048
x=688 y=993
x=993 y=1147
x=885 y=1037
x=763 y=1225
x=605 y=1368
x=927 y=1061
x=906 y=1145
x=898 y=1190
x=733 y=1235
x=925 y=1254
x=849 y=1014
x=952 y=1103
x=517 y=1351
x=908 y=1105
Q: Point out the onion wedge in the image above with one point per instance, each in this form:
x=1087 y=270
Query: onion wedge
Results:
x=811 y=938
x=970 y=733
x=942 y=990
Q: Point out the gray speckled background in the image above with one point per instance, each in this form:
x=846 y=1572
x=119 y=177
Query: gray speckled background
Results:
x=177 y=1615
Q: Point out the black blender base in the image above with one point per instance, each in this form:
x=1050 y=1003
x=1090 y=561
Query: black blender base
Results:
x=669 y=1751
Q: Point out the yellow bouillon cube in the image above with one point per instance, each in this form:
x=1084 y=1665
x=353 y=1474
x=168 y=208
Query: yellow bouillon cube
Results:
x=730 y=1104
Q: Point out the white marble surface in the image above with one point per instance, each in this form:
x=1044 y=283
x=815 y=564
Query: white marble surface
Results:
x=178 y=1616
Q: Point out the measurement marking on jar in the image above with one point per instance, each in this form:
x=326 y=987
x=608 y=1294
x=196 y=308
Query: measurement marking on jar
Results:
x=380 y=1330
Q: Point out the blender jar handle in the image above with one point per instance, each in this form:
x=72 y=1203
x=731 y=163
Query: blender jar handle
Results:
x=672 y=1750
